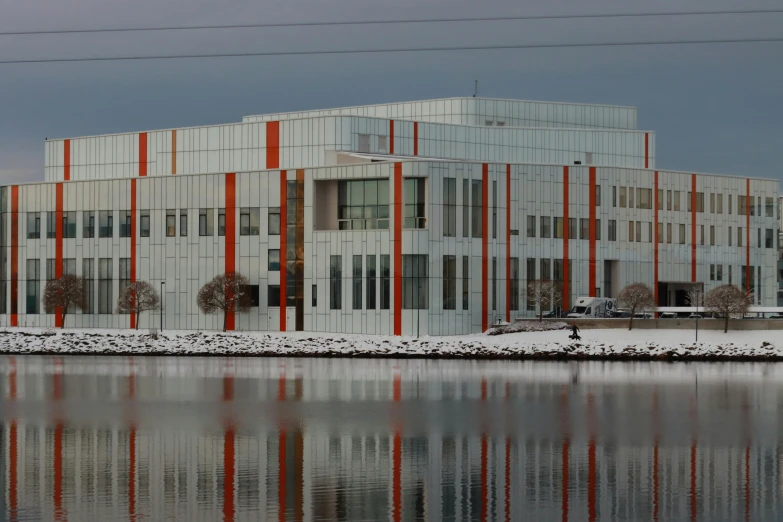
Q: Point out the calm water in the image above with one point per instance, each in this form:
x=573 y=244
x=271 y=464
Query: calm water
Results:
x=278 y=439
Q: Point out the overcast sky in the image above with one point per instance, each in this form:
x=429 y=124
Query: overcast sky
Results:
x=715 y=108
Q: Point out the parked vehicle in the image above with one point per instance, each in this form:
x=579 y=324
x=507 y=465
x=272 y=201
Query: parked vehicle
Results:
x=776 y=316
x=643 y=315
x=593 y=307
x=667 y=315
x=695 y=316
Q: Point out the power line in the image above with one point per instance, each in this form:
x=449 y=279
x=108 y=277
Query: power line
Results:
x=390 y=50
x=388 y=22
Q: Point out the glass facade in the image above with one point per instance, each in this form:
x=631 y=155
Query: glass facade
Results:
x=363 y=205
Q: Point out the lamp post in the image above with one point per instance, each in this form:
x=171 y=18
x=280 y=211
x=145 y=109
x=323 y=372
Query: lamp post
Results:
x=162 y=285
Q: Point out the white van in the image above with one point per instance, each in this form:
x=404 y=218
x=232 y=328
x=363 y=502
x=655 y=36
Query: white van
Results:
x=593 y=307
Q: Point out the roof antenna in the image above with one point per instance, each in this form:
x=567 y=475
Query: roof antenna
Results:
x=475 y=89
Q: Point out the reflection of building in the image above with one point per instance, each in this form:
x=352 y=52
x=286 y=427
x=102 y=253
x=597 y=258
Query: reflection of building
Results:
x=112 y=445
x=420 y=217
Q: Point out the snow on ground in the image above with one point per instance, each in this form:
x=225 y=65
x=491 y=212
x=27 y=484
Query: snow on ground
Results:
x=597 y=344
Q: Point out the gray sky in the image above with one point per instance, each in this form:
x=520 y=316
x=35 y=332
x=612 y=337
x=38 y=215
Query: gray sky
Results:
x=714 y=108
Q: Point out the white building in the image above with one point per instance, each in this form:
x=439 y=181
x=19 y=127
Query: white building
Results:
x=424 y=217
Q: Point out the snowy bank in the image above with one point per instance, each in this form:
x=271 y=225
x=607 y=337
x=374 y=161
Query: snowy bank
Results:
x=595 y=344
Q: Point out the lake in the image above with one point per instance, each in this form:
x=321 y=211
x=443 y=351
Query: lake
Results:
x=156 y=438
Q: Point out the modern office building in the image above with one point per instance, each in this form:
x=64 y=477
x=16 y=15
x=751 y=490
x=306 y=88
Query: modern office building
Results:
x=412 y=218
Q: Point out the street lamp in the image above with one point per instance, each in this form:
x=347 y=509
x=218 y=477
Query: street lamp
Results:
x=162 y=285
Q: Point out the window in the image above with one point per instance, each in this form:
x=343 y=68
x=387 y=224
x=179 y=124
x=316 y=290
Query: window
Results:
x=572 y=232
x=315 y=296
x=364 y=143
x=712 y=272
x=546 y=273
x=494 y=283
x=677 y=200
x=250 y=221
x=105 y=276
x=739 y=236
x=682 y=234
x=531 y=226
x=598 y=230
x=644 y=198
x=649 y=232
x=69 y=266
x=729 y=205
x=69 y=225
x=50 y=269
x=33 y=286
x=631 y=230
x=700 y=202
x=584 y=228
x=531 y=276
x=494 y=209
x=768 y=238
x=729 y=236
x=719 y=273
x=363 y=204
x=124 y=274
x=414 y=215
x=758 y=238
x=371 y=281
x=88 y=224
x=33 y=225
x=588 y=158
x=144 y=223
x=105 y=224
x=701 y=235
x=623 y=196
x=719 y=198
x=465 y=207
x=206 y=226
x=514 y=283
x=712 y=202
x=558 y=228
x=221 y=222
x=385 y=281
x=125 y=224
x=688 y=201
x=465 y=282
x=253 y=293
x=450 y=207
x=614 y=196
x=770 y=207
x=475 y=209
x=88 y=274
x=612 y=230
x=660 y=199
x=741 y=205
x=51 y=225
x=449 y=282
x=660 y=233
x=357 y=282
x=415 y=282
x=668 y=200
x=273 y=296
x=381 y=143
x=171 y=223
x=546 y=226
x=183 y=222
x=274 y=221
x=729 y=274
x=335 y=282
x=668 y=232
x=273 y=260
x=598 y=195
x=712 y=235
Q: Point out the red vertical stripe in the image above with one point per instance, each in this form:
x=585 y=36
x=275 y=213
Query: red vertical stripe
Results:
x=647 y=150
x=58 y=262
x=397 y=478
x=14 y=255
x=748 y=203
x=655 y=242
x=566 y=263
x=694 y=239
x=397 y=386
x=592 y=276
x=283 y=240
x=565 y=479
x=228 y=476
x=142 y=154
x=230 y=236
x=398 y=249
x=67 y=160
x=132 y=476
x=484 y=244
x=415 y=138
x=508 y=243
x=273 y=145
x=391 y=136
x=133 y=233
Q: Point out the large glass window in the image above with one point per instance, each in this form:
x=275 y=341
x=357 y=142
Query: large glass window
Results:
x=88 y=274
x=183 y=222
x=530 y=276
x=572 y=232
x=385 y=281
x=515 y=283
x=414 y=213
x=682 y=234
x=644 y=198
x=584 y=228
x=69 y=225
x=465 y=208
x=612 y=230
x=33 y=225
x=357 y=282
x=531 y=226
x=475 y=209
x=51 y=225
x=206 y=224
x=415 y=281
x=105 y=276
x=125 y=224
x=274 y=221
x=274 y=260
x=450 y=207
x=769 y=240
x=363 y=204
x=465 y=283
x=250 y=221
x=69 y=266
x=221 y=222
x=371 y=281
x=449 y=282
x=273 y=296
x=144 y=223
x=88 y=224
x=546 y=226
x=171 y=223
x=742 y=205
x=105 y=223
x=124 y=274
x=769 y=204
x=558 y=228
x=336 y=282
x=677 y=200
x=719 y=198
x=623 y=197
x=33 y=275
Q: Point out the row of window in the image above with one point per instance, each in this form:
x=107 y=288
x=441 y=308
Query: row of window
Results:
x=472 y=205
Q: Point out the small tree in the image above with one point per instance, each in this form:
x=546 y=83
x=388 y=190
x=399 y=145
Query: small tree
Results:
x=545 y=294
x=138 y=297
x=727 y=300
x=638 y=297
x=226 y=292
x=66 y=292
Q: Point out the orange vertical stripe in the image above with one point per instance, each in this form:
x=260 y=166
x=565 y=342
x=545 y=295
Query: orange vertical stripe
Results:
x=748 y=203
x=415 y=138
x=646 y=150
x=397 y=478
x=142 y=154
x=228 y=476
x=281 y=385
x=283 y=240
x=132 y=476
x=564 y=487
x=508 y=243
x=273 y=145
x=693 y=228
x=58 y=472
x=397 y=386
x=566 y=263
x=484 y=245
x=398 y=249
x=133 y=242
x=281 y=477
x=391 y=136
x=67 y=160
x=14 y=255
x=174 y=151
x=592 y=276
x=58 y=262
x=655 y=243
x=230 y=236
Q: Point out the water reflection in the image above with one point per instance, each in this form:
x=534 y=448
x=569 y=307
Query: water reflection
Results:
x=275 y=439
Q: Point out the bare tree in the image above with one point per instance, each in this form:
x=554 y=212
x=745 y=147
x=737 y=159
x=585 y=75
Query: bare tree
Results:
x=727 y=300
x=66 y=292
x=138 y=297
x=695 y=297
x=545 y=294
x=226 y=292
x=638 y=297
